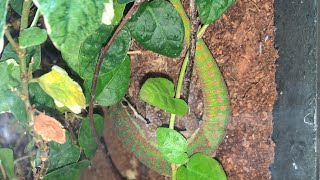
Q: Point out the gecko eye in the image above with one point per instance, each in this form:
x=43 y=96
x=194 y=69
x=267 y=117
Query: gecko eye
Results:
x=124 y=103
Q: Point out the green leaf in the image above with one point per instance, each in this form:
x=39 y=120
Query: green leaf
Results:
x=40 y=99
x=32 y=36
x=6 y=160
x=159 y=92
x=10 y=102
x=10 y=74
x=201 y=167
x=86 y=139
x=29 y=146
x=70 y=172
x=63 y=154
x=118 y=12
x=89 y=50
x=182 y=173
x=70 y=22
x=33 y=53
x=111 y=86
x=17 y=6
x=64 y=91
x=173 y=145
x=112 y=60
x=9 y=53
x=158 y=27
x=125 y=1
x=211 y=10
x=3 y=14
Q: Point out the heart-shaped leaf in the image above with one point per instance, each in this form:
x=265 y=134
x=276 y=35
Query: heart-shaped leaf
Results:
x=159 y=92
x=86 y=139
x=63 y=154
x=173 y=145
x=201 y=167
x=32 y=36
x=71 y=171
x=158 y=27
x=211 y=10
x=111 y=86
x=17 y=6
x=70 y=22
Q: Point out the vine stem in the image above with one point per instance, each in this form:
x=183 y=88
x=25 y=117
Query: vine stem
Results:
x=102 y=53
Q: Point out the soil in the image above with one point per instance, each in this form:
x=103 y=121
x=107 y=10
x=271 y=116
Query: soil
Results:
x=242 y=41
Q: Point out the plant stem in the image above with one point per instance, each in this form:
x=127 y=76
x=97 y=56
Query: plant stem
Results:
x=202 y=31
x=35 y=19
x=174 y=172
x=24 y=92
x=22 y=158
x=13 y=42
x=25 y=14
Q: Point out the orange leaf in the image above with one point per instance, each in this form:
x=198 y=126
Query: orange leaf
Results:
x=49 y=129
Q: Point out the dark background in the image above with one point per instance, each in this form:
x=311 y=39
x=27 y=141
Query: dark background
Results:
x=296 y=112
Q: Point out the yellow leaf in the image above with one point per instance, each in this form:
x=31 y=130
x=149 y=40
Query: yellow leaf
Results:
x=63 y=89
x=49 y=128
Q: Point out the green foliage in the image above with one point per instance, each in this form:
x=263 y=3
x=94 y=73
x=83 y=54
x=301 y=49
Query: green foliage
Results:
x=89 y=50
x=3 y=14
x=201 y=167
x=29 y=146
x=211 y=10
x=6 y=161
x=33 y=53
x=114 y=57
x=69 y=23
x=10 y=101
x=118 y=12
x=157 y=26
x=125 y=1
x=63 y=154
x=159 y=92
x=40 y=99
x=111 y=86
x=173 y=145
x=69 y=172
x=86 y=139
x=17 y=6
x=79 y=29
x=32 y=36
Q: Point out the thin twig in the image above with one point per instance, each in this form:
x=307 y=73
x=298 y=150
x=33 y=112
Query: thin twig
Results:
x=36 y=18
x=192 y=50
x=135 y=112
x=22 y=158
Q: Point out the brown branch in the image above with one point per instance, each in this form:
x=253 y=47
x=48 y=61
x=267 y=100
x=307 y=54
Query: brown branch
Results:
x=192 y=50
x=103 y=51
